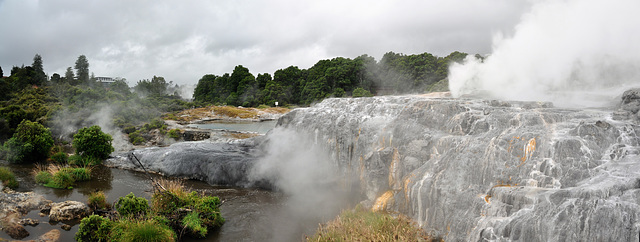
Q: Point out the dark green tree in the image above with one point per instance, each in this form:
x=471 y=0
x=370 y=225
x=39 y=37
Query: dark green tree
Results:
x=69 y=77
x=30 y=143
x=37 y=65
x=56 y=78
x=1 y=73
x=156 y=86
x=91 y=142
x=82 y=69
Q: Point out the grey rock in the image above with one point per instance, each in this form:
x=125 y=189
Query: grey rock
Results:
x=68 y=210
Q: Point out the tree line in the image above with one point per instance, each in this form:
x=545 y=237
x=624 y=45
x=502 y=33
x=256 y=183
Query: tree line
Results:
x=338 y=77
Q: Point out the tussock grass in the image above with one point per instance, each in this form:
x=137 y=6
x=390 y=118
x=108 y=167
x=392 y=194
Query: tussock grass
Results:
x=60 y=176
x=234 y=112
x=7 y=178
x=360 y=224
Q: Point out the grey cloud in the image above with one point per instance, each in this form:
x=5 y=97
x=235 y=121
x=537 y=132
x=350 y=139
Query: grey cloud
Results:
x=184 y=40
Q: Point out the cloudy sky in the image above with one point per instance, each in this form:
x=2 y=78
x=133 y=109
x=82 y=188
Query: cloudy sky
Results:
x=183 y=40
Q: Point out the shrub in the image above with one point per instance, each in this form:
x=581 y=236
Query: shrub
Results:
x=193 y=223
x=97 y=200
x=43 y=177
x=363 y=225
x=361 y=92
x=132 y=205
x=93 y=228
x=84 y=161
x=92 y=142
x=61 y=179
x=175 y=134
x=136 y=138
x=143 y=230
x=8 y=178
x=60 y=157
x=31 y=142
x=80 y=173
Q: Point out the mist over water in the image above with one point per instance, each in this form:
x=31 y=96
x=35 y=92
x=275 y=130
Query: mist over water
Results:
x=574 y=53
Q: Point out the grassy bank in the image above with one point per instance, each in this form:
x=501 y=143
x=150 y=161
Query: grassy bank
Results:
x=360 y=224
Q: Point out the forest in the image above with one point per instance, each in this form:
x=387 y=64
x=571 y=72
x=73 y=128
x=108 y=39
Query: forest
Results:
x=338 y=77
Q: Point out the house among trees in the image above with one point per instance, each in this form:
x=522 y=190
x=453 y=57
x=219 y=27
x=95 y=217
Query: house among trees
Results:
x=106 y=81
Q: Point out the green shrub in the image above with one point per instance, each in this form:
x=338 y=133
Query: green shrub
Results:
x=60 y=157
x=194 y=225
x=80 y=173
x=31 y=142
x=92 y=142
x=263 y=106
x=136 y=138
x=93 y=228
x=43 y=177
x=61 y=179
x=144 y=230
x=97 y=200
x=132 y=205
x=129 y=129
x=8 y=178
x=361 y=92
x=175 y=134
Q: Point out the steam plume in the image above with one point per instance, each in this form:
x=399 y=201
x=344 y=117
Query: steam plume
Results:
x=573 y=52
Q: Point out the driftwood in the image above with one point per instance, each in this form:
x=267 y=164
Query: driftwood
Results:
x=156 y=185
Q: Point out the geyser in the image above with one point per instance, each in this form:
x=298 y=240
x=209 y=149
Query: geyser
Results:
x=575 y=53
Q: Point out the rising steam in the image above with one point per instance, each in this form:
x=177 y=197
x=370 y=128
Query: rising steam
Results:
x=574 y=53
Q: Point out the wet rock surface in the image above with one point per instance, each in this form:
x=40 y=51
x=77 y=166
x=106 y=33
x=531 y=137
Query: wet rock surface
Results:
x=470 y=170
x=465 y=170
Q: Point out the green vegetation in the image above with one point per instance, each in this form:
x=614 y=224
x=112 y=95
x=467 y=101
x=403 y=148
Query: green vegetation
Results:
x=7 y=178
x=141 y=230
x=174 y=212
x=175 y=134
x=337 y=77
x=31 y=142
x=364 y=225
x=97 y=200
x=61 y=177
x=92 y=143
x=130 y=205
x=94 y=228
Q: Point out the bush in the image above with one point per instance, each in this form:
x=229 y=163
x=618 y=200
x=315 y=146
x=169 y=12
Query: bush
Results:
x=8 y=178
x=61 y=179
x=92 y=142
x=361 y=92
x=136 y=138
x=84 y=161
x=132 y=205
x=175 y=134
x=93 y=228
x=31 y=142
x=60 y=157
x=143 y=230
x=97 y=200
x=43 y=177
x=363 y=225
x=193 y=223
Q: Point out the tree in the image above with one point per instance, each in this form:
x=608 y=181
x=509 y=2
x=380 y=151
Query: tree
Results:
x=56 y=78
x=91 y=142
x=41 y=77
x=156 y=86
x=69 y=77
x=82 y=69
x=31 y=142
x=1 y=74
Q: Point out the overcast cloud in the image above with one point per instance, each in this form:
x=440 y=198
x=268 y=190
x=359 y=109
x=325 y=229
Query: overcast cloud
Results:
x=183 y=40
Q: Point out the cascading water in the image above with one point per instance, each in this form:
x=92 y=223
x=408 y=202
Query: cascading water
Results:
x=463 y=169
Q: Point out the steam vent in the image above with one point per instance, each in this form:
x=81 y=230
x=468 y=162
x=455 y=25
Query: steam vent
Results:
x=464 y=170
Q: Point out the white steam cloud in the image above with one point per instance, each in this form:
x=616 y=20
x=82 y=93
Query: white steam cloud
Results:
x=575 y=53
x=301 y=170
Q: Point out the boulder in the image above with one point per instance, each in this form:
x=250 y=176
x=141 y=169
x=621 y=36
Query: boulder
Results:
x=10 y=222
x=68 y=210
x=51 y=236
